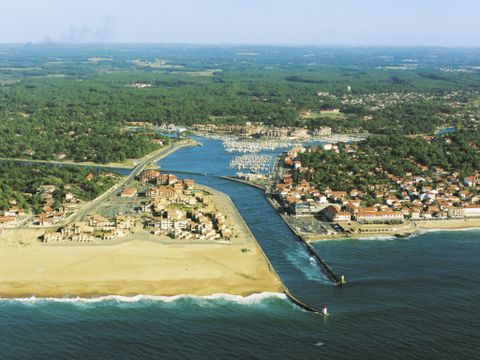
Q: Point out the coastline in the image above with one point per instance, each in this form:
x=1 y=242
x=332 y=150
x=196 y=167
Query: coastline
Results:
x=410 y=228
x=417 y=228
x=138 y=265
x=241 y=299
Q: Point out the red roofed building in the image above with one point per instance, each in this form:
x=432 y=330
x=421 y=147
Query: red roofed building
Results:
x=367 y=216
x=332 y=213
x=128 y=193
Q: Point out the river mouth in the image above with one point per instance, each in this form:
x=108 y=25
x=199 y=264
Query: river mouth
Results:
x=404 y=298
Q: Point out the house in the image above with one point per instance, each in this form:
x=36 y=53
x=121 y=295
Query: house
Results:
x=42 y=220
x=472 y=211
x=49 y=189
x=8 y=221
x=338 y=195
x=52 y=237
x=469 y=181
x=128 y=193
x=332 y=213
x=69 y=197
x=167 y=192
x=14 y=211
x=148 y=175
x=189 y=184
x=98 y=221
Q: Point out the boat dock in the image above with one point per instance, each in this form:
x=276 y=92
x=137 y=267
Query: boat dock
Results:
x=182 y=172
x=241 y=181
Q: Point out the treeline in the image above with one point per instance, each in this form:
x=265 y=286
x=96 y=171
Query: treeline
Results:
x=83 y=117
x=21 y=183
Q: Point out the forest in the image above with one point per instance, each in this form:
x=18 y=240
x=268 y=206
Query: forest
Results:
x=75 y=102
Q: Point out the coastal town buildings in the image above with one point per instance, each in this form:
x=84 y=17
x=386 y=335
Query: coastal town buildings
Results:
x=260 y=131
x=95 y=228
x=180 y=210
x=437 y=194
x=165 y=206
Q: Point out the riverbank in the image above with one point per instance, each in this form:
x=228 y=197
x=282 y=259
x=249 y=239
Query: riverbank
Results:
x=355 y=230
x=136 y=265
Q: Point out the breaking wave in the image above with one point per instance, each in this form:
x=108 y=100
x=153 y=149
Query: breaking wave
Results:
x=249 y=299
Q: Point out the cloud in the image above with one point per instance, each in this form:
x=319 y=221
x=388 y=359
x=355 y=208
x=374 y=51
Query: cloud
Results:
x=88 y=34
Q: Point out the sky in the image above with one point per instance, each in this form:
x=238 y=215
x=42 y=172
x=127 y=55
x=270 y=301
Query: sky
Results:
x=282 y=22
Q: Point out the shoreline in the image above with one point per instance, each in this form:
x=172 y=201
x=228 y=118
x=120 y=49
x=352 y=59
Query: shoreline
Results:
x=136 y=266
x=245 y=299
x=419 y=227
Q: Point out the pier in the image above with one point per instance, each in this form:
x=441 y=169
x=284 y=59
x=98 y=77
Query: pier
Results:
x=182 y=172
x=300 y=303
x=290 y=296
x=241 y=181
x=324 y=267
x=232 y=144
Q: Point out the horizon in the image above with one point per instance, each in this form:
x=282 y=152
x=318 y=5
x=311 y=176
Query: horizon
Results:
x=252 y=44
x=371 y=23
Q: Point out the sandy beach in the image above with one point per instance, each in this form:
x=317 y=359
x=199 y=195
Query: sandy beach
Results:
x=452 y=224
x=409 y=228
x=137 y=265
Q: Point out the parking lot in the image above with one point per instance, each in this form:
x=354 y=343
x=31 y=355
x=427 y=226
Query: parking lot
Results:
x=312 y=225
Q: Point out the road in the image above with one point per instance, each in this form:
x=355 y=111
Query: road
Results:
x=113 y=191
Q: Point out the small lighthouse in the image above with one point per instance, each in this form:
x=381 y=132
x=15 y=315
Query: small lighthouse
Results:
x=325 y=310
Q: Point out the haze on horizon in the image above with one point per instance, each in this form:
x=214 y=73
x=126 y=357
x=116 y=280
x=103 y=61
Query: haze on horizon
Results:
x=314 y=22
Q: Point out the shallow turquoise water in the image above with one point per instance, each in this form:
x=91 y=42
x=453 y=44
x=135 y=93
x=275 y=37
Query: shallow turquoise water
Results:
x=417 y=298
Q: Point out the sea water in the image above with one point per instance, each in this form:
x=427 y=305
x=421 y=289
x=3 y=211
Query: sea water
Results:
x=415 y=298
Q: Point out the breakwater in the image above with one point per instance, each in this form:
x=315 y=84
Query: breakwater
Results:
x=326 y=269
x=241 y=181
x=182 y=172
x=288 y=293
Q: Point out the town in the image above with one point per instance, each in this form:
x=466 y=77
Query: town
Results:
x=165 y=206
x=392 y=199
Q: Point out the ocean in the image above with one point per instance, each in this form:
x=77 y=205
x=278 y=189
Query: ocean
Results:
x=414 y=298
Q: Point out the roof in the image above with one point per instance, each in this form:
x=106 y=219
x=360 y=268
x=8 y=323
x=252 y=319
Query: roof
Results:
x=129 y=191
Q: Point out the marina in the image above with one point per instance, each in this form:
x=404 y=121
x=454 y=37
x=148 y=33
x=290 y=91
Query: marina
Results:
x=253 y=162
x=255 y=146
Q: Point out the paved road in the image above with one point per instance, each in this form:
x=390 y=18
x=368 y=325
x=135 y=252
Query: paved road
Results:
x=113 y=191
